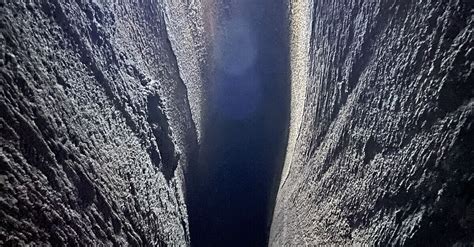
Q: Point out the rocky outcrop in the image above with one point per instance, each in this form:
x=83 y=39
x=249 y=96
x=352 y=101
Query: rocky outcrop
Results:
x=96 y=126
x=103 y=106
x=384 y=150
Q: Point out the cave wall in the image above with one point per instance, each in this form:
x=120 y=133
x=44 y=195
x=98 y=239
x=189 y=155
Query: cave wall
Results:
x=188 y=24
x=101 y=111
x=383 y=152
x=96 y=126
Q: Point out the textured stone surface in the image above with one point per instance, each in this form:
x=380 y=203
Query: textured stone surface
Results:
x=96 y=128
x=384 y=153
x=97 y=132
x=187 y=23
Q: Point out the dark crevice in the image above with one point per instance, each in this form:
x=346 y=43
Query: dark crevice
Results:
x=371 y=148
x=231 y=189
x=162 y=132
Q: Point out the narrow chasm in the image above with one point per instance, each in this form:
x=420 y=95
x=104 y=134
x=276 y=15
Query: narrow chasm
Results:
x=232 y=189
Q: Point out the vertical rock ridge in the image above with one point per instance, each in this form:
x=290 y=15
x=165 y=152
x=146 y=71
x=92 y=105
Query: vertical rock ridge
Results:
x=299 y=67
x=187 y=36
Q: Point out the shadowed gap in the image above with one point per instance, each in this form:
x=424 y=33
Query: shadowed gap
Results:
x=231 y=189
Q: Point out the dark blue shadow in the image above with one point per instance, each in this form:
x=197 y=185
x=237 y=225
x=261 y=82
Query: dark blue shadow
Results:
x=231 y=189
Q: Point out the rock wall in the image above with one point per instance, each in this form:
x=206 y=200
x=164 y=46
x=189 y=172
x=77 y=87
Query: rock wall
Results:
x=101 y=111
x=96 y=127
x=187 y=22
x=385 y=147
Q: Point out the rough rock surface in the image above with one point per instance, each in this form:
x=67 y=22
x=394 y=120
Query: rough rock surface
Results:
x=384 y=153
x=188 y=26
x=96 y=127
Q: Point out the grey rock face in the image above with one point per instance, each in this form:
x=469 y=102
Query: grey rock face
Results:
x=384 y=152
x=96 y=128
x=101 y=104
